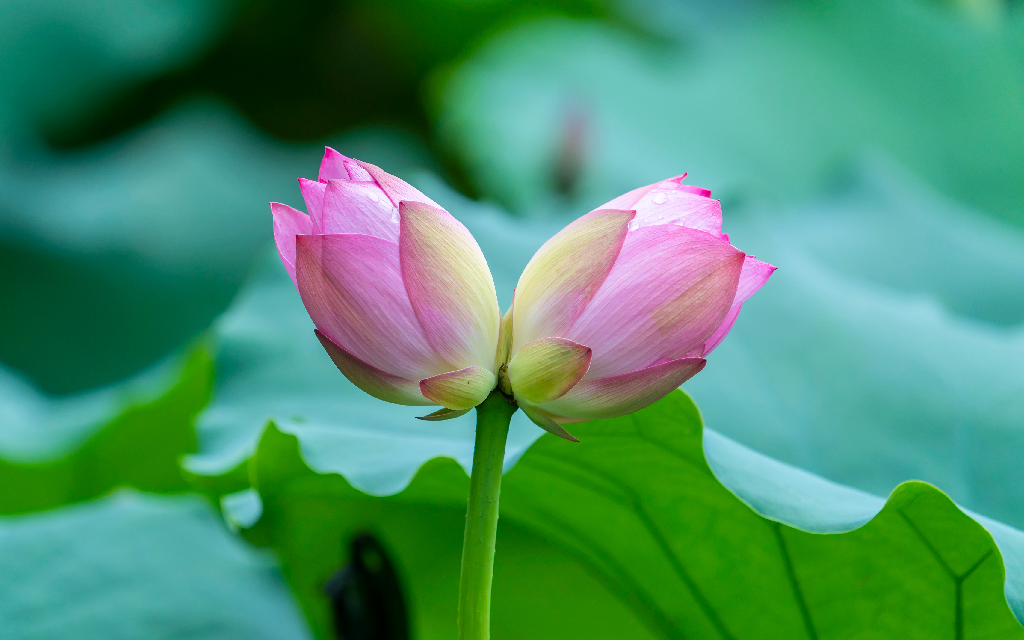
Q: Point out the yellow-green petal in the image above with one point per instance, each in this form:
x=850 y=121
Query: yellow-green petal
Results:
x=565 y=273
x=546 y=369
x=458 y=390
x=449 y=285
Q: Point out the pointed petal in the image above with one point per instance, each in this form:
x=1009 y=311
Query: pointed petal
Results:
x=397 y=190
x=313 y=193
x=377 y=383
x=359 y=207
x=336 y=166
x=670 y=202
x=565 y=274
x=546 y=369
x=670 y=288
x=628 y=200
x=332 y=167
x=356 y=172
x=755 y=273
x=619 y=395
x=449 y=285
x=700 y=191
x=546 y=422
x=352 y=288
x=288 y=223
x=458 y=390
x=444 y=414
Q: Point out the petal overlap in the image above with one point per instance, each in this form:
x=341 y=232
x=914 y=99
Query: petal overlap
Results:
x=669 y=290
x=352 y=288
x=449 y=285
x=754 y=275
x=379 y=384
x=288 y=223
x=351 y=206
x=615 y=396
x=547 y=369
x=459 y=390
x=335 y=166
x=671 y=202
x=313 y=195
x=565 y=274
x=396 y=189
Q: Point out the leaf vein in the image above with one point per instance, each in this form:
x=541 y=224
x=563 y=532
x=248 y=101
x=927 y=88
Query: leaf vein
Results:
x=794 y=582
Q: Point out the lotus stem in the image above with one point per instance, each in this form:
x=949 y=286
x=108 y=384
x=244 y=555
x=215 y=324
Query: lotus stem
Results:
x=492 y=419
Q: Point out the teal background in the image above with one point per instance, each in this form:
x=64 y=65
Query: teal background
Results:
x=171 y=431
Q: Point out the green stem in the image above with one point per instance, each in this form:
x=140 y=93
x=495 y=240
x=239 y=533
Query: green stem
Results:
x=492 y=419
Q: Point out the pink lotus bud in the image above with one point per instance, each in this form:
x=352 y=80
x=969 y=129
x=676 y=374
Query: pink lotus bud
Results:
x=622 y=306
x=614 y=312
x=398 y=289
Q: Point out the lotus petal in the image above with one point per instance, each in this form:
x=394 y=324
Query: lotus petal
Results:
x=619 y=395
x=547 y=422
x=459 y=390
x=565 y=274
x=669 y=290
x=449 y=285
x=352 y=287
x=358 y=207
x=377 y=383
x=546 y=369
x=288 y=223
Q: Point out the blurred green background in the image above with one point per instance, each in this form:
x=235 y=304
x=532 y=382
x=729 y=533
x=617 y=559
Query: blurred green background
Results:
x=171 y=434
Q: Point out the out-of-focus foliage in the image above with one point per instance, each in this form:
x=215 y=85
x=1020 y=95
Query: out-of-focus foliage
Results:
x=150 y=232
x=63 y=58
x=301 y=70
x=635 y=512
x=134 y=566
x=771 y=100
x=59 y=451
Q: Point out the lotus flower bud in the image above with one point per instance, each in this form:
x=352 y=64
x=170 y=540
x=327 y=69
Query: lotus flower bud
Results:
x=612 y=313
x=624 y=304
x=398 y=289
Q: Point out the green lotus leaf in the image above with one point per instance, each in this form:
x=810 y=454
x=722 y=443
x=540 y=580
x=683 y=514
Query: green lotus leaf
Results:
x=631 y=533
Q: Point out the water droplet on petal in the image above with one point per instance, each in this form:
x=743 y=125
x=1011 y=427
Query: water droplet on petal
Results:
x=659 y=198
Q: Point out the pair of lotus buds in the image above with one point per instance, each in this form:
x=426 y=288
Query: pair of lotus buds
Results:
x=612 y=313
